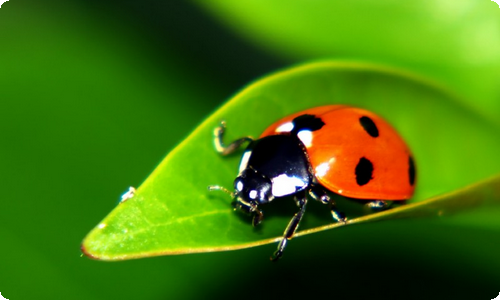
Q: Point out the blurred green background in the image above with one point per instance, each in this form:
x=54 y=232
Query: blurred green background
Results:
x=93 y=95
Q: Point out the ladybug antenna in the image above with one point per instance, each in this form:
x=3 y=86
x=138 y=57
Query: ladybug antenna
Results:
x=220 y=188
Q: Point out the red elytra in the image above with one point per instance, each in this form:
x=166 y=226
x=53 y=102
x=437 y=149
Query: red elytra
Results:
x=353 y=139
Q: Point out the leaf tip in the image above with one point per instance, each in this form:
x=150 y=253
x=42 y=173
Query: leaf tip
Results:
x=87 y=253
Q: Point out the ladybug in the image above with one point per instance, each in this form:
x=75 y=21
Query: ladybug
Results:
x=335 y=148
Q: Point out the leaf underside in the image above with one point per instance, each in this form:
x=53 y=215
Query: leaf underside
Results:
x=173 y=213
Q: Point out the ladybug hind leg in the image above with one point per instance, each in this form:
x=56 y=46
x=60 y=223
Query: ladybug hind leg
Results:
x=378 y=205
x=233 y=146
x=318 y=193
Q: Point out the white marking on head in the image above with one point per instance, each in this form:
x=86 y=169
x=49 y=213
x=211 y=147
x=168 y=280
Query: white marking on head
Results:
x=102 y=225
x=305 y=137
x=284 y=185
x=239 y=186
x=252 y=194
x=286 y=127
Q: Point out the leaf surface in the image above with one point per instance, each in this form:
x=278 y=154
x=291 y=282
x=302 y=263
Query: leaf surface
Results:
x=172 y=212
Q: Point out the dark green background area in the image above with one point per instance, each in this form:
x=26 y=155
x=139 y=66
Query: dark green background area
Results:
x=93 y=95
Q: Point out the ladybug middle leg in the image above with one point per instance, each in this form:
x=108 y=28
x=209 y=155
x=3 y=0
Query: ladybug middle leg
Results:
x=233 y=146
x=301 y=200
x=319 y=193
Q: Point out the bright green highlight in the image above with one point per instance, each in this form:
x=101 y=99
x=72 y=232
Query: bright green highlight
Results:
x=455 y=42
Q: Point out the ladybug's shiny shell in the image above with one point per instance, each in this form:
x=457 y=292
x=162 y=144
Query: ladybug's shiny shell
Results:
x=356 y=153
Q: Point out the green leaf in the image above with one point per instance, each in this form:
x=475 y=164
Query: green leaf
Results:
x=456 y=42
x=172 y=212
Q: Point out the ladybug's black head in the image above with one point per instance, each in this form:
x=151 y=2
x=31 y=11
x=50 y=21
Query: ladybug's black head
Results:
x=251 y=189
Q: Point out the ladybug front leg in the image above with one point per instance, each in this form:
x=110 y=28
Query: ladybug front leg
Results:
x=292 y=226
x=233 y=146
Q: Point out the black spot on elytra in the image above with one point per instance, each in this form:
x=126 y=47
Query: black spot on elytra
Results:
x=411 y=170
x=307 y=122
x=364 y=171
x=369 y=126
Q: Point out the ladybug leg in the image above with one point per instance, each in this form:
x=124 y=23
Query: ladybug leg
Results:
x=292 y=226
x=251 y=209
x=233 y=146
x=319 y=194
x=257 y=217
x=337 y=215
x=378 y=205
